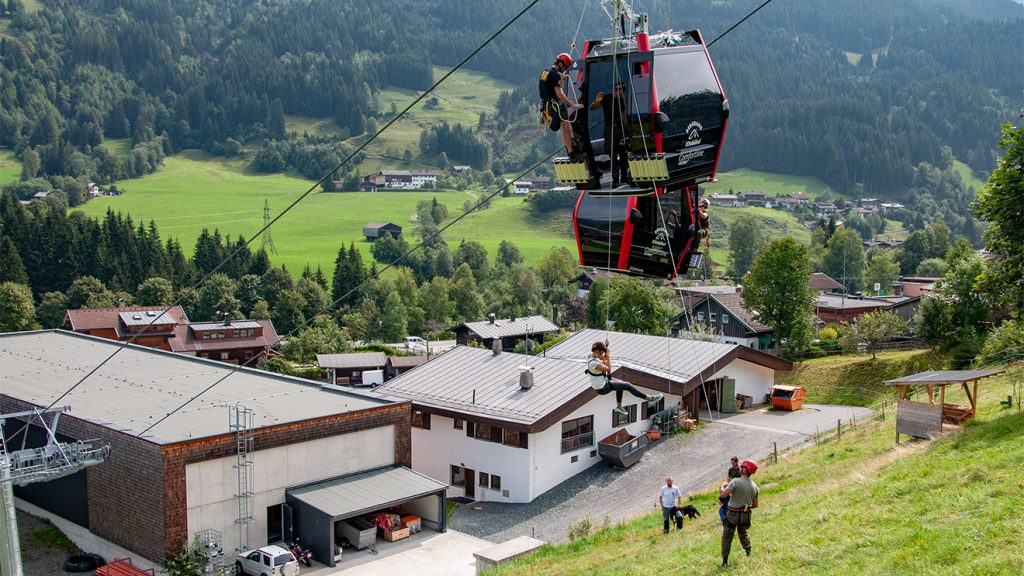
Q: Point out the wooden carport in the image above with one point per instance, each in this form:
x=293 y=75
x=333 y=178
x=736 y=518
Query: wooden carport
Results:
x=923 y=420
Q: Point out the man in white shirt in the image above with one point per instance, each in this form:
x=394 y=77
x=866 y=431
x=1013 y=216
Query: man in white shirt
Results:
x=670 y=499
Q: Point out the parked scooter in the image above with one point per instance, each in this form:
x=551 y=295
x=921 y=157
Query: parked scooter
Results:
x=304 y=556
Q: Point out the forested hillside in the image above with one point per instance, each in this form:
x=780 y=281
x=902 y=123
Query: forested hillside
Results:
x=867 y=95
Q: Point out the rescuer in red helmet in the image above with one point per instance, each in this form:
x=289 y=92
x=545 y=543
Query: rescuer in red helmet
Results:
x=742 y=493
x=554 y=104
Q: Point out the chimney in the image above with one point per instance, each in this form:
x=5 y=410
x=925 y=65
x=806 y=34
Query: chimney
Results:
x=513 y=318
x=525 y=377
x=496 y=346
x=490 y=317
x=120 y=302
x=227 y=319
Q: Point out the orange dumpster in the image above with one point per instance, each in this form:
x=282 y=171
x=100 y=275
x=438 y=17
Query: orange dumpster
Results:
x=787 y=397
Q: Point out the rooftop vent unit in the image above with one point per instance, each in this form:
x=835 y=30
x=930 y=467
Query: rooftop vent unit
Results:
x=525 y=377
x=150 y=313
x=136 y=316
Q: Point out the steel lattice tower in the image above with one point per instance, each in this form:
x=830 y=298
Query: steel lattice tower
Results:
x=268 y=240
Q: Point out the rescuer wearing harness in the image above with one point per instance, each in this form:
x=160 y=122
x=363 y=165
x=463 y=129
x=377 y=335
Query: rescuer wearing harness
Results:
x=742 y=493
x=599 y=368
x=554 y=103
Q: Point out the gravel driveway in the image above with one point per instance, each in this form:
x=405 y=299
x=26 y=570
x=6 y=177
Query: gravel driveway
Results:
x=695 y=460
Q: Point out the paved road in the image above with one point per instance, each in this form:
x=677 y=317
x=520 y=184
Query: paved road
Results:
x=695 y=461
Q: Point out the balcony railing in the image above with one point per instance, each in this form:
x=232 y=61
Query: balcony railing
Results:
x=576 y=442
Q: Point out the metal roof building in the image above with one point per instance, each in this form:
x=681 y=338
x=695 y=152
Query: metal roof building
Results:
x=508 y=330
x=173 y=468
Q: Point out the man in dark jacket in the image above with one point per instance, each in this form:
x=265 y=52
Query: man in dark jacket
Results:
x=554 y=104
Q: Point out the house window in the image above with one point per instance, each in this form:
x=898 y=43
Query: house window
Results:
x=577 y=433
x=700 y=316
x=622 y=419
x=458 y=476
x=483 y=432
x=224 y=355
x=495 y=482
x=457 y=424
x=574 y=459
x=496 y=434
x=725 y=318
x=515 y=439
x=484 y=481
x=647 y=411
x=593 y=453
x=420 y=420
x=471 y=429
x=713 y=316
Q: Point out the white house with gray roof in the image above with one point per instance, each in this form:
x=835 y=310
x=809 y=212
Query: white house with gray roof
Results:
x=476 y=427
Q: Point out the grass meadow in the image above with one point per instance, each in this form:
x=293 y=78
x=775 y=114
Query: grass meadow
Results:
x=858 y=504
x=192 y=191
x=10 y=168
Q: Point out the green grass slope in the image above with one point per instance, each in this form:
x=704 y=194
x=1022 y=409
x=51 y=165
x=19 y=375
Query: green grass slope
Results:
x=859 y=505
x=10 y=168
x=856 y=379
x=773 y=184
x=192 y=191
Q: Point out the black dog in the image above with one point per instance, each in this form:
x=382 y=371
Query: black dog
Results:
x=689 y=511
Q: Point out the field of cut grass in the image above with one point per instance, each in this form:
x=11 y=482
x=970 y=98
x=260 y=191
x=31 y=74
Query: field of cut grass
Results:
x=10 y=168
x=192 y=191
x=968 y=176
x=119 y=146
x=855 y=505
x=460 y=99
x=856 y=379
x=778 y=222
x=773 y=184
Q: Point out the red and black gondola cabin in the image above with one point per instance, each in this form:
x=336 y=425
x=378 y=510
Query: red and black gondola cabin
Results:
x=670 y=139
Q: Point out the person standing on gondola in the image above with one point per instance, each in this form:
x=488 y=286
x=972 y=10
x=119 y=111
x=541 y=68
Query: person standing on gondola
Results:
x=555 y=105
x=616 y=135
x=599 y=368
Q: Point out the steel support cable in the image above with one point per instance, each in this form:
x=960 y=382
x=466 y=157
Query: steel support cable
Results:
x=301 y=197
x=391 y=264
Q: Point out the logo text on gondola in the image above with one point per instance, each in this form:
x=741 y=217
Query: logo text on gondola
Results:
x=693 y=133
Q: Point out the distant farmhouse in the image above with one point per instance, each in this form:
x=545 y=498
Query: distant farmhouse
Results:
x=233 y=341
x=399 y=180
x=377 y=230
x=315 y=457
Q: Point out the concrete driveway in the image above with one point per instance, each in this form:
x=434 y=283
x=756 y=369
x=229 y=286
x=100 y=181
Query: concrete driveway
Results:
x=811 y=419
x=426 y=553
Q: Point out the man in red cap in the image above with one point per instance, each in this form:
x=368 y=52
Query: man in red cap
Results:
x=742 y=493
x=551 y=95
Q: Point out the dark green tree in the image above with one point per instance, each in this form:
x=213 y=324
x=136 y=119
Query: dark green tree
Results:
x=747 y=238
x=778 y=289
x=155 y=291
x=52 y=310
x=999 y=203
x=17 y=309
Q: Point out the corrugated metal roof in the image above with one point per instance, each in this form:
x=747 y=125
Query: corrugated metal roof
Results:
x=944 y=377
x=407 y=361
x=358 y=360
x=673 y=358
x=145 y=318
x=98 y=318
x=141 y=385
x=367 y=491
x=475 y=381
x=235 y=324
x=506 y=327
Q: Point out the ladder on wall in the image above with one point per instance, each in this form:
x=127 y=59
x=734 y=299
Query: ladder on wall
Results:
x=240 y=419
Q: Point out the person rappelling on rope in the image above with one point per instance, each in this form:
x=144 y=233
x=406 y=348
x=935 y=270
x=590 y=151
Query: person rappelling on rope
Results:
x=599 y=368
x=555 y=105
